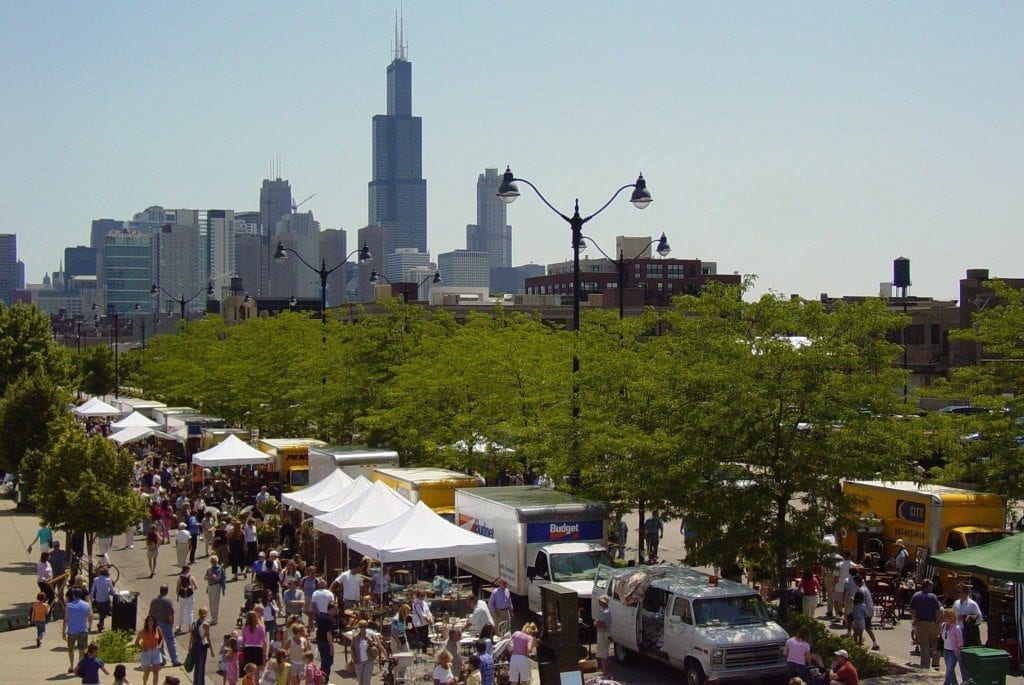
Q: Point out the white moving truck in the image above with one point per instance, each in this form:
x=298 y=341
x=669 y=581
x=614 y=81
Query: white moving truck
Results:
x=543 y=535
x=699 y=624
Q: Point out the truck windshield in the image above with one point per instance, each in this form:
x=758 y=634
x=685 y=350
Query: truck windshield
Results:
x=299 y=478
x=729 y=611
x=975 y=539
x=577 y=566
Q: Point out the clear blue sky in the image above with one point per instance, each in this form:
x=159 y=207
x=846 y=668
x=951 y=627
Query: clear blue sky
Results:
x=807 y=142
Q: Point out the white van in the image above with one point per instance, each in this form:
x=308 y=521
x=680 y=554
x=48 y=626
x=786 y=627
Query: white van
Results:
x=697 y=623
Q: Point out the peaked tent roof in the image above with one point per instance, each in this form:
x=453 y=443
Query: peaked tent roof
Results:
x=330 y=501
x=420 y=534
x=231 y=452
x=133 y=433
x=94 y=406
x=378 y=505
x=322 y=488
x=134 y=419
x=1000 y=559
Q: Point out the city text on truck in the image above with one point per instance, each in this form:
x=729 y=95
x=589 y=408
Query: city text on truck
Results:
x=700 y=624
x=543 y=535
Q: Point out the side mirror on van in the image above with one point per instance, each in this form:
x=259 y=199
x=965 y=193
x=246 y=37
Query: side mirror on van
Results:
x=674 y=619
x=530 y=572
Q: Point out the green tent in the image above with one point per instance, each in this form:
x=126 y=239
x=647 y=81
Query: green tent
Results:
x=1002 y=559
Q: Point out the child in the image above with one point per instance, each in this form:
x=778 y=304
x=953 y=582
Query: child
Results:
x=251 y=675
x=121 y=675
x=474 y=677
x=277 y=643
x=222 y=658
x=859 y=615
x=40 y=611
x=230 y=666
x=91 y=665
x=312 y=674
x=270 y=671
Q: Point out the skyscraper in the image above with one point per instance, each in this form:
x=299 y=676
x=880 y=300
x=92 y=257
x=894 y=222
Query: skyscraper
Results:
x=333 y=250
x=275 y=203
x=78 y=261
x=10 y=278
x=397 y=191
x=375 y=238
x=490 y=233
x=179 y=270
x=129 y=270
x=304 y=233
x=464 y=268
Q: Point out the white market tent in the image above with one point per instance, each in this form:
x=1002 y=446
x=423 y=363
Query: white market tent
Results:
x=420 y=534
x=377 y=506
x=94 y=406
x=231 y=452
x=134 y=420
x=337 y=499
x=135 y=433
x=322 y=488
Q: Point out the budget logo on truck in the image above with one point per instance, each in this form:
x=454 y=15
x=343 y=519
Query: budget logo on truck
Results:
x=564 y=531
x=907 y=510
x=474 y=525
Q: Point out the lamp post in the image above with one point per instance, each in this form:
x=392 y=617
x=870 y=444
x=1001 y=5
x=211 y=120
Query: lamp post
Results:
x=402 y=287
x=156 y=289
x=78 y=351
x=508 y=191
x=116 y=314
x=621 y=264
x=901 y=279
x=323 y=272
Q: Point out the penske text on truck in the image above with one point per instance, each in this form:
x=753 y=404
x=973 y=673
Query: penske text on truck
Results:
x=291 y=459
x=543 y=535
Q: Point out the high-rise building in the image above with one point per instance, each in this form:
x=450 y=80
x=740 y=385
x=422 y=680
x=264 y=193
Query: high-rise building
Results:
x=252 y=265
x=10 y=275
x=375 y=238
x=128 y=270
x=399 y=263
x=304 y=231
x=463 y=268
x=333 y=250
x=275 y=203
x=511 y=280
x=397 y=191
x=179 y=266
x=78 y=261
x=490 y=233
x=221 y=229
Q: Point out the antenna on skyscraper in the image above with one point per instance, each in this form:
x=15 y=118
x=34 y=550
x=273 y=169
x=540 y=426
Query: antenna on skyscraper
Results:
x=399 y=51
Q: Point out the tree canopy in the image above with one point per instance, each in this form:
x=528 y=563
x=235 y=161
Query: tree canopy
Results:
x=27 y=346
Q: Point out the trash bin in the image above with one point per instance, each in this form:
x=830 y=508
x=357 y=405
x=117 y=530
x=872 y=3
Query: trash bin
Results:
x=985 y=665
x=124 y=611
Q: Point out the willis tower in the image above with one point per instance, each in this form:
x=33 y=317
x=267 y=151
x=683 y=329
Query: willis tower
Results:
x=398 y=192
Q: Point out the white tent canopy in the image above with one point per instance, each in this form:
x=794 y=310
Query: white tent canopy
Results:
x=420 y=534
x=133 y=420
x=375 y=507
x=94 y=406
x=329 y=501
x=135 y=433
x=318 y=490
x=231 y=452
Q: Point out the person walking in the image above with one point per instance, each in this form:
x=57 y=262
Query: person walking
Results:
x=968 y=614
x=102 y=592
x=194 y=529
x=325 y=622
x=200 y=646
x=603 y=624
x=76 y=626
x=150 y=640
x=91 y=665
x=40 y=615
x=654 y=531
x=236 y=550
x=924 y=607
x=296 y=649
x=44 y=536
x=952 y=642
x=523 y=645
x=44 y=577
x=364 y=645
x=162 y=608
x=810 y=590
x=500 y=604
x=798 y=652
x=181 y=543
x=254 y=640
x=152 y=549
x=216 y=584
x=251 y=542
x=186 y=590
x=421 y=620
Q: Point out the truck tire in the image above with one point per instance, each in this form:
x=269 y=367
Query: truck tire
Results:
x=623 y=655
x=694 y=673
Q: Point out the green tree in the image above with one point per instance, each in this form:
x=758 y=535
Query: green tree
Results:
x=96 y=370
x=27 y=346
x=994 y=456
x=796 y=396
x=83 y=486
x=33 y=414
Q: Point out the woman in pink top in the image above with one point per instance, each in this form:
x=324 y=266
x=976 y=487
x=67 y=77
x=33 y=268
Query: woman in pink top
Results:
x=798 y=648
x=254 y=640
x=952 y=643
x=522 y=645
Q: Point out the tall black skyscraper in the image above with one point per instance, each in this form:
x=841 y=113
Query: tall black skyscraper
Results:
x=398 y=193
x=275 y=203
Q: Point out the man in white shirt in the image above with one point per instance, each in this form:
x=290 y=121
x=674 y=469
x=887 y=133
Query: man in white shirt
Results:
x=968 y=615
x=263 y=495
x=322 y=597
x=351 y=586
x=841 y=575
x=481 y=615
x=421 y=620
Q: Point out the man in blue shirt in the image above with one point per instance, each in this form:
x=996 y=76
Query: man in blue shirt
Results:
x=924 y=608
x=194 y=528
x=486 y=663
x=76 y=627
x=102 y=592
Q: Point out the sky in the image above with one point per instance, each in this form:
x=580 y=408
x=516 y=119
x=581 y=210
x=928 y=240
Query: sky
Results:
x=809 y=143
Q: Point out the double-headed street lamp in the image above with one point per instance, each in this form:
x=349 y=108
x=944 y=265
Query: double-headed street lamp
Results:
x=508 y=191
x=116 y=314
x=156 y=289
x=404 y=287
x=621 y=264
x=281 y=254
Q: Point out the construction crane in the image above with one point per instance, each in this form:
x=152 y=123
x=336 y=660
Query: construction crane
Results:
x=296 y=205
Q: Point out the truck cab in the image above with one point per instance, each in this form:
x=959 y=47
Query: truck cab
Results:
x=572 y=564
x=699 y=624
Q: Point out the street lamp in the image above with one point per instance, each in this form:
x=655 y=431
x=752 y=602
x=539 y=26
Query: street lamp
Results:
x=403 y=287
x=323 y=272
x=621 y=264
x=508 y=191
x=116 y=314
x=901 y=279
x=156 y=289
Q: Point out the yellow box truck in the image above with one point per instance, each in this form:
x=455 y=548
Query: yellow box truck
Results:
x=434 y=487
x=291 y=459
x=934 y=518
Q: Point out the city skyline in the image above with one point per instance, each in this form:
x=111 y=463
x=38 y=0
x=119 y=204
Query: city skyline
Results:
x=808 y=144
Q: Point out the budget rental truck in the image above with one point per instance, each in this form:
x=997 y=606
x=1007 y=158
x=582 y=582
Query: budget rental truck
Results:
x=926 y=517
x=543 y=535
